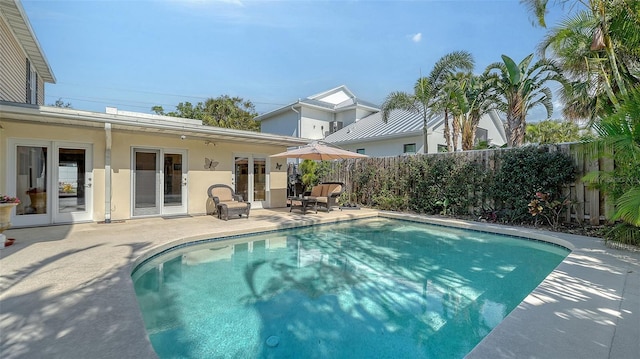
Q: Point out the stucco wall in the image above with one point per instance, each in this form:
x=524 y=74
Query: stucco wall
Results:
x=199 y=177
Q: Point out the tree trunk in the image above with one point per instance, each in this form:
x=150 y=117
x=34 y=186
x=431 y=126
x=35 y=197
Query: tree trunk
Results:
x=455 y=132
x=447 y=134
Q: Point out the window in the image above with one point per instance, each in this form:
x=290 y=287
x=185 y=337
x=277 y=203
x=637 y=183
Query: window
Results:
x=410 y=148
x=482 y=135
x=31 y=85
x=443 y=148
x=360 y=151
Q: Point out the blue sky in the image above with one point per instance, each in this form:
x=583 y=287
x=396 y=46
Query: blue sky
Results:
x=136 y=54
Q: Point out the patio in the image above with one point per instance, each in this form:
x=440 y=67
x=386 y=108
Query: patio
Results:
x=66 y=291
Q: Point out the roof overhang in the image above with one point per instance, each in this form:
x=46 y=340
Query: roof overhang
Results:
x=12 y=11
x=14 y=112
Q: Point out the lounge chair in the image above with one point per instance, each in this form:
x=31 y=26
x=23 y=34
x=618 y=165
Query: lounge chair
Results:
x=228 y=202
x=326 y=194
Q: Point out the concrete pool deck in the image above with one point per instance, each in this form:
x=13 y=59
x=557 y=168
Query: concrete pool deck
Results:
x=66 y=291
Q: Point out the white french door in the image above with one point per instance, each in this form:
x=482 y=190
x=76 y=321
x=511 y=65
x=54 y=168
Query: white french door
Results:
x=159 y=182
x=72 y=197
x=250 y=178
x=53 y=181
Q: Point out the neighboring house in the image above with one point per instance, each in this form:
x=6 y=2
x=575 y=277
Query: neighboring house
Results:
x=403 y=134
x=338 y=117
x=69 y=166
x=23 y=67
x=317 y=116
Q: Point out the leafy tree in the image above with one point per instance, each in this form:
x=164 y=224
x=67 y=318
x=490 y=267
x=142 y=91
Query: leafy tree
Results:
x=552 y=131
x=427 y=89
x=61 y=104
x=223 y=111
x=519 y=88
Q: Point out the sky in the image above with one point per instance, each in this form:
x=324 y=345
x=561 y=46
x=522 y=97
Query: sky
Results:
x=139 y=53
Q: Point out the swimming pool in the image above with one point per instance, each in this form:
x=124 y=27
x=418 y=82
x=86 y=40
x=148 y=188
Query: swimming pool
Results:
x=367 y=288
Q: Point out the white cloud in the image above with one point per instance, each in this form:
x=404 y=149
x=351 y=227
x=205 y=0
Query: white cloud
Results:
x=416 y=37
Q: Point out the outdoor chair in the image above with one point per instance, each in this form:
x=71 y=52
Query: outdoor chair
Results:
x=227 y=202
x=327 y=194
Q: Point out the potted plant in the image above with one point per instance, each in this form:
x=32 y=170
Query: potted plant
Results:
x=6 y=205
x=38 y=199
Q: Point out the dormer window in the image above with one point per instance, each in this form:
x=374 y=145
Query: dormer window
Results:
x=31 y=85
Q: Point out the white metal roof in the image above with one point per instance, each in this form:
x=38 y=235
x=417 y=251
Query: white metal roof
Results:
x=15 y=16
x=400 y=123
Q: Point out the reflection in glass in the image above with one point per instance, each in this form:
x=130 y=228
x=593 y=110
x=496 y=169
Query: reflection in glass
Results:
x=31 y=180
x=259 y=179
x=242 y=177
x=172 y=180
x=145 y=196
x=71 y=177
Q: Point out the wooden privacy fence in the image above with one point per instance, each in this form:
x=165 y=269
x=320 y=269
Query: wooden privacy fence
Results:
x=587 y=204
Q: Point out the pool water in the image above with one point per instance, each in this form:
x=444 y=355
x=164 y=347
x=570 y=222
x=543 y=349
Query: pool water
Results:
x=362 y=289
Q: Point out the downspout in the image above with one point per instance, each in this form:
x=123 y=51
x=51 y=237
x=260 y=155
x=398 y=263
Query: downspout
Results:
x=107 y=174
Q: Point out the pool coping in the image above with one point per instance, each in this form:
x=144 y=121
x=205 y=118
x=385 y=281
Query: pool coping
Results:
x=65 y=297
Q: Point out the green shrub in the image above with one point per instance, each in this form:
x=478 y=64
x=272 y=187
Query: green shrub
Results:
x=522 y=173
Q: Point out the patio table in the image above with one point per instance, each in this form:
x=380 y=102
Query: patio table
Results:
x=303 y=203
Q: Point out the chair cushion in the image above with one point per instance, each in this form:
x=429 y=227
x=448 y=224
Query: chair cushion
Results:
x=235 y=204
x=316 y=191
x=333 y=188
x=322 y=199
x=223 y=194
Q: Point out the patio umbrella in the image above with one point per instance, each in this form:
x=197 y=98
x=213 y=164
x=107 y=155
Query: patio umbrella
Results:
x=319 y=151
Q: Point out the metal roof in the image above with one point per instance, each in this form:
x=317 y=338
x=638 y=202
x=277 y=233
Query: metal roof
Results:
x=400 y=123
x=14 y=14
x=162 y=125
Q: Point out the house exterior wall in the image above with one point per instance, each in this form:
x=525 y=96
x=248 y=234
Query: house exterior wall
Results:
x=346 y=117
x=387 y=147
x=199 y=178
x=13 y=72
x=13 y=69
x=314 y=123
x=285 y=123
x=492 y=131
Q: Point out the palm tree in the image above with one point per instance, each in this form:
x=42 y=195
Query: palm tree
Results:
x=619 y=133
x=598 y=49
x=519 y=88
x=427 y=89
x=481 y=100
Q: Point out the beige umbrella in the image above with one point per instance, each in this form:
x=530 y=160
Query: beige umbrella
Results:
x=319 y=151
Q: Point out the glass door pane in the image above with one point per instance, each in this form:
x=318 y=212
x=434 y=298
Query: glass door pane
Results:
x=174 y=183
x=72 y=183
x=31 y=180
x=172 y=180
x=146 y=173
x=242 y=177
x=259 y=179
x=71 y=180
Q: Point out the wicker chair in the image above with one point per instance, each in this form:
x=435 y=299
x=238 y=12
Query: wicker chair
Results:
x=326 y=194
x=228 y=202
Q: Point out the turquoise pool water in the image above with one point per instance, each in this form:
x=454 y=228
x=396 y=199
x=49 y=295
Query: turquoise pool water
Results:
x=374 y=288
